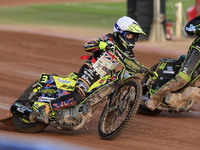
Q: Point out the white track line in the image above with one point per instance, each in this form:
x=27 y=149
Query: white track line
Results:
x=4 y=106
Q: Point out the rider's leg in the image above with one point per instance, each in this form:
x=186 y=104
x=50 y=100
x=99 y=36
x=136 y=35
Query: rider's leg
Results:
x=172 y=85
x=86 y=77
x=42 y=110
x=190 y=64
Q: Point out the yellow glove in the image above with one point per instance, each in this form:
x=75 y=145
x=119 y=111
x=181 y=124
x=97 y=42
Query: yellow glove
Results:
x=102 y=45
x=153 y=75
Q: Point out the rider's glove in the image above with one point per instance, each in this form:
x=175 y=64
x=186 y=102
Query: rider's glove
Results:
x=105 y=45
x=153 y=75
x=102 y=45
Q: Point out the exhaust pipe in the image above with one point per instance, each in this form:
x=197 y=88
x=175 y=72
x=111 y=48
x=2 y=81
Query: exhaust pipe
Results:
x=21 y=110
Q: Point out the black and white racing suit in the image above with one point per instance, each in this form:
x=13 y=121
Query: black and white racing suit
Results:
x=190 y=64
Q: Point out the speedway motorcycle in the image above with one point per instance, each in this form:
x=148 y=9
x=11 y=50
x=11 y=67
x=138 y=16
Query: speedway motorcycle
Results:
x=177 y=102
x=121 y=91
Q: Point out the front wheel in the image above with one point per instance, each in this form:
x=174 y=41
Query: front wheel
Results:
x=123 y=108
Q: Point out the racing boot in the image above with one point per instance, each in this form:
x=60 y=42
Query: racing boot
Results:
x=42 y=110
x=172 y=85
x=151 y=104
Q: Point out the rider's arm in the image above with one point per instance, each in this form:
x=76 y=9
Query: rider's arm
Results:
x=142 y=69
x=91 y=46
x=99 y=44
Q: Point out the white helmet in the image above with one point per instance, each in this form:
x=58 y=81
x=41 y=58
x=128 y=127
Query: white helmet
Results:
x=126 y=25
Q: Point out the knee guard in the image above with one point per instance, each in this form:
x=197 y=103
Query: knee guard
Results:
x=179 y=82
x=78 y=94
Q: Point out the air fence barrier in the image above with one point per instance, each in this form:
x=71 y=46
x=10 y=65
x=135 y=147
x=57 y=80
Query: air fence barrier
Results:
x=21 y=142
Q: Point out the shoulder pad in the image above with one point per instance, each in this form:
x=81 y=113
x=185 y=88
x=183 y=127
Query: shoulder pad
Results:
x=104 y=37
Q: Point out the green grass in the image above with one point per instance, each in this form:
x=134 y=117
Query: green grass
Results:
x=171 y=9
x=101 y=15
x=95 y=15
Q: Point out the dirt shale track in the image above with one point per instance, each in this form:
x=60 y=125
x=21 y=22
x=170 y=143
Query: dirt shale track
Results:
x=24 y=56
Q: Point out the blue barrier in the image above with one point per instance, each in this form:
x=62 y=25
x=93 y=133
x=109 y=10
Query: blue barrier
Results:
x=24 y=143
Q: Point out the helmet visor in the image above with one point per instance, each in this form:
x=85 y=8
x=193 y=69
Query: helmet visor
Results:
x=132 y=37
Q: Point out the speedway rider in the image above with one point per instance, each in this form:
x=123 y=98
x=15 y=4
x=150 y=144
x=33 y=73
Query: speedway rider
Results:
x=190 y=64
x=125 y=33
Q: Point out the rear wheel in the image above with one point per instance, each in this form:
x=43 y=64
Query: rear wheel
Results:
x=27 y=98
x=123 y=108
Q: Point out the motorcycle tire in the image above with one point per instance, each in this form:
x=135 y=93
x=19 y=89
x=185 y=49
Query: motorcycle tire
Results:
x=124 y=106
x=142 y=108
x=21 y=124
